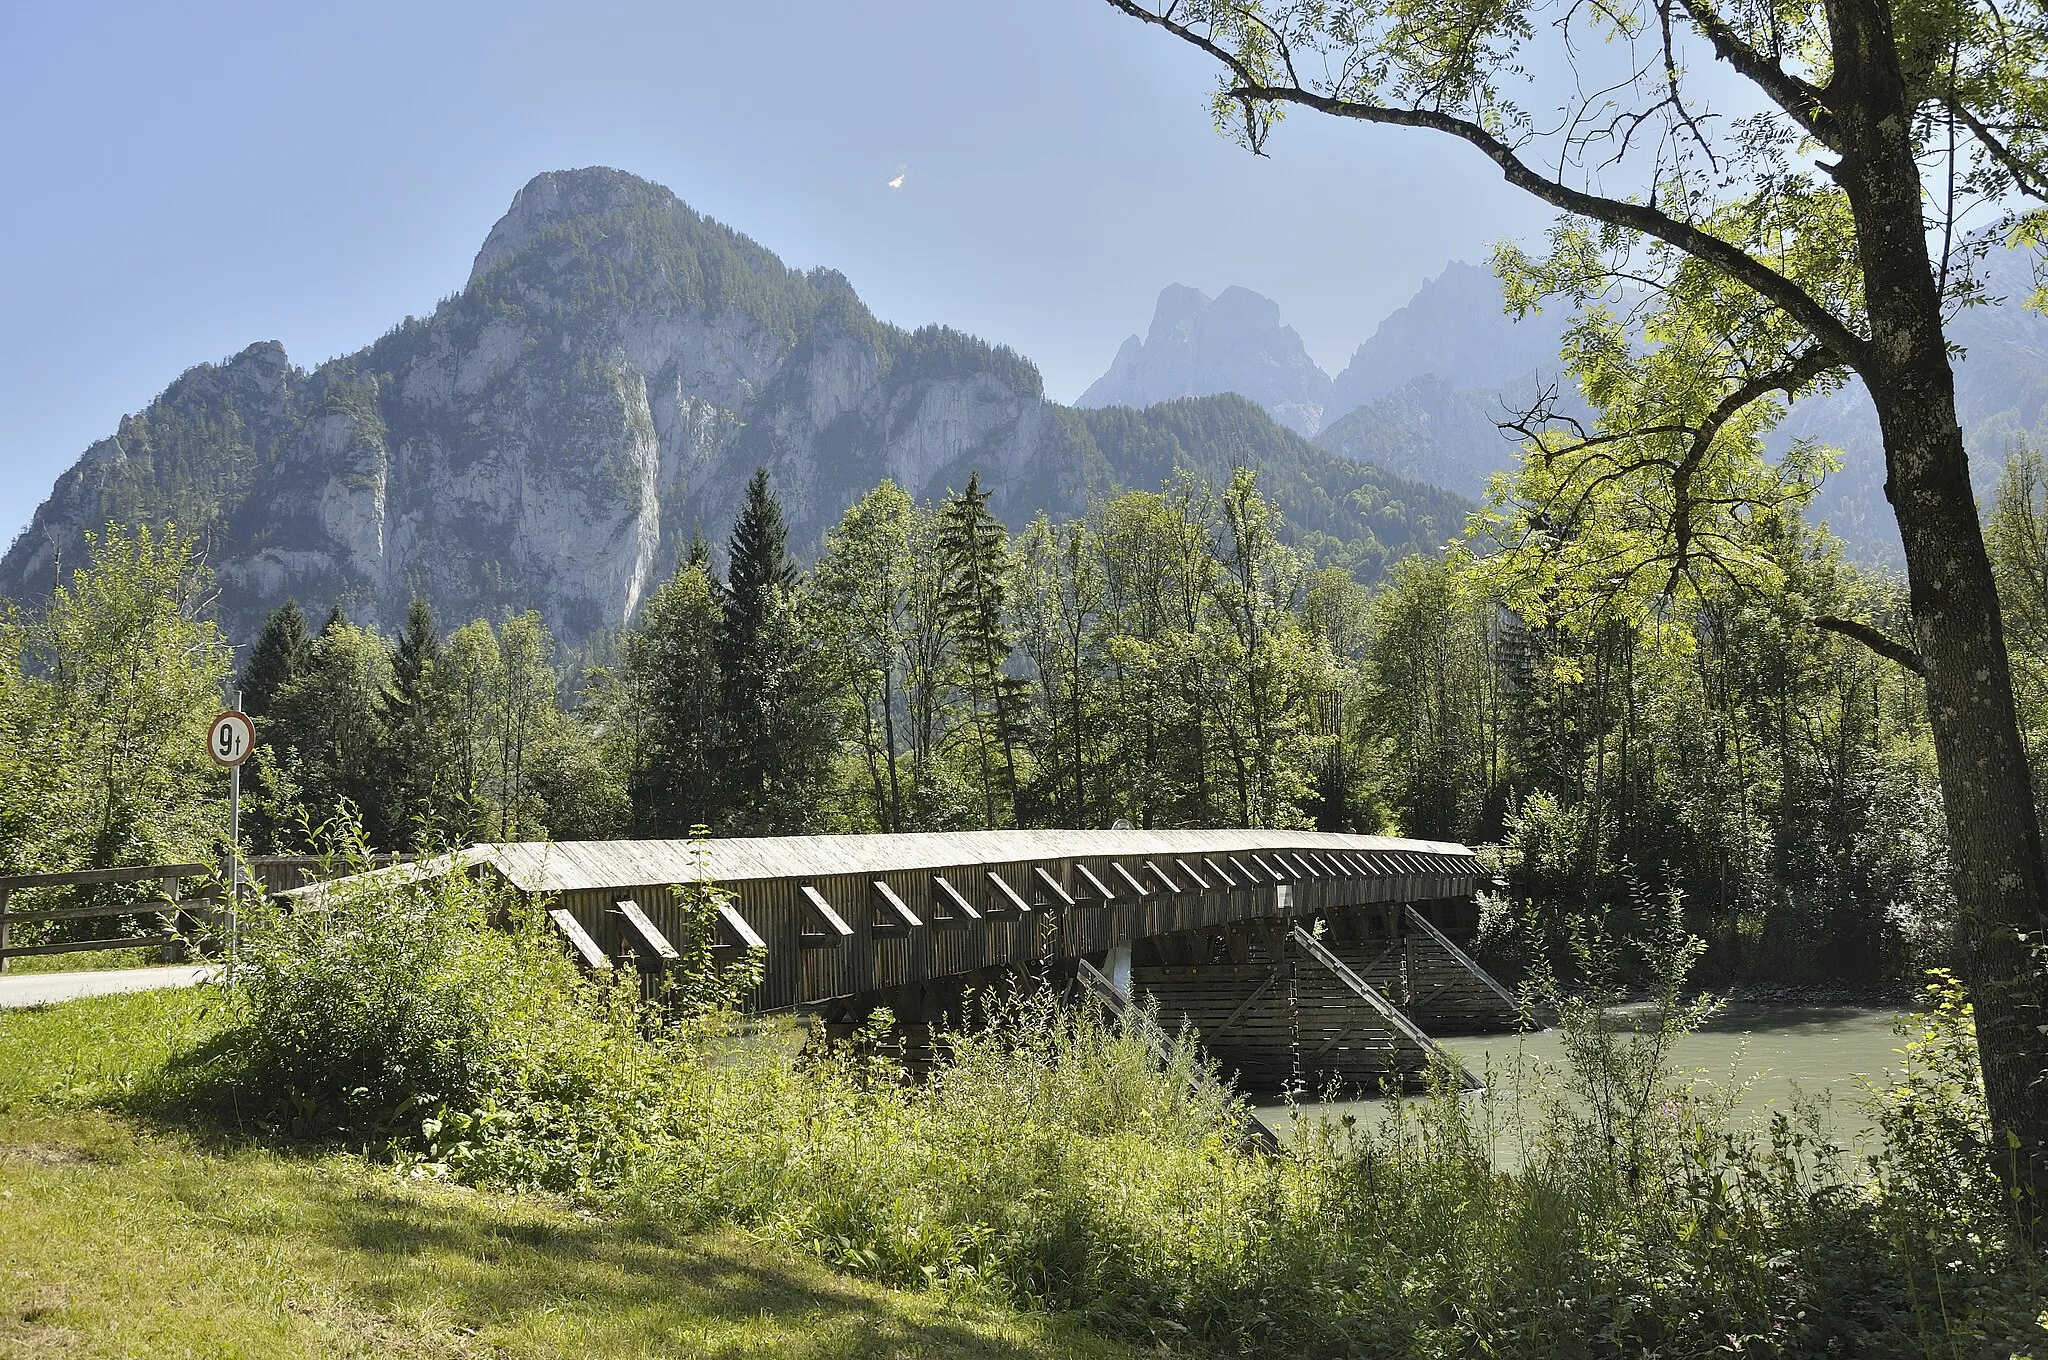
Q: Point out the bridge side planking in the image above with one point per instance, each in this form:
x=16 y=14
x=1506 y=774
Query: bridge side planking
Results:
x=1022 y=918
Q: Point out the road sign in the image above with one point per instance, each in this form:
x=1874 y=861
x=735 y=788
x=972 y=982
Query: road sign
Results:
x=231 y=738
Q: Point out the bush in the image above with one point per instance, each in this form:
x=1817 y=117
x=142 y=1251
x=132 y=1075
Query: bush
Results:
x=383 y=998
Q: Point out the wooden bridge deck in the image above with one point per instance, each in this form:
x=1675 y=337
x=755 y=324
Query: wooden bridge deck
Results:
x=842 y=916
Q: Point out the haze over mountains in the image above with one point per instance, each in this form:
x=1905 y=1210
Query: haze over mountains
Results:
x=1419 y=396
x=601 y=388
x=1423 y=395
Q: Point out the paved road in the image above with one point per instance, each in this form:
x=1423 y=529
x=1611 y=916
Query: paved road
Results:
x=40 y=989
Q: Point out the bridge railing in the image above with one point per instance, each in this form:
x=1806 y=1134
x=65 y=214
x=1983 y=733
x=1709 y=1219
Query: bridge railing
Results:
x=178 y=917
x=166 y=915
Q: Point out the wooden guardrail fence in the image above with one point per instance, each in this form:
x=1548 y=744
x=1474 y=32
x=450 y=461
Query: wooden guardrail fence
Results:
x=184 y=912
x=182 y=918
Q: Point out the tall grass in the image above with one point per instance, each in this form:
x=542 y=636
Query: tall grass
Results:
x=1061 y=1159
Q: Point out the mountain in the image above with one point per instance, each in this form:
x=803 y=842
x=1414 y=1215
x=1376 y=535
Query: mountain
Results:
x=1352 y=514
x=1199 y=346
x=1419 y=398
x=602 y=386
x=1453 y=330
x=1433 y=431
x=1422 y=397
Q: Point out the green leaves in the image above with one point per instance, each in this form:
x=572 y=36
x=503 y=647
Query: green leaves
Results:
x=104 y=703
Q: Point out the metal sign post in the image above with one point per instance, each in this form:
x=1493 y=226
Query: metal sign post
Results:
x=230 y=741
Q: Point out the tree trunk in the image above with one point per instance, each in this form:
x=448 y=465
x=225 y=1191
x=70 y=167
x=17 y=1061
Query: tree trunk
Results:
x=1994 y=836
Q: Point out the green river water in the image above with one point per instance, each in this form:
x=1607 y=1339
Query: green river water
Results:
x=1762 y=1055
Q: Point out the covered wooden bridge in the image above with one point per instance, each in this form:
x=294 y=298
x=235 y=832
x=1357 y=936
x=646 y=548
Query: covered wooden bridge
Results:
x=1299 y=956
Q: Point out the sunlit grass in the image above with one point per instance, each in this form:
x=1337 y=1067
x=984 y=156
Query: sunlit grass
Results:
x=86 y=961
x=122 y=1239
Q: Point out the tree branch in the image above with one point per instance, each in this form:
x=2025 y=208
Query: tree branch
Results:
x=2024 y=177
x=1828 y=329
x=1885 y=645
x=1802 y=102
x=1788 y=378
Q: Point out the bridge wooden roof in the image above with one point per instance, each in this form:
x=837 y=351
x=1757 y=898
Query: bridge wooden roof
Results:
x=847 y=915
x=573 y=866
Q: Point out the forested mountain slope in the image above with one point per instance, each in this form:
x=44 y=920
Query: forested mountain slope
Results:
x=600 y=389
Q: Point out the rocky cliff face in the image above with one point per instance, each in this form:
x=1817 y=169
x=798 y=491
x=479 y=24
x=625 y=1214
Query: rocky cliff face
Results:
x=1418 y=398
x=1198 y=346
x=614 y=369
x=551 y=437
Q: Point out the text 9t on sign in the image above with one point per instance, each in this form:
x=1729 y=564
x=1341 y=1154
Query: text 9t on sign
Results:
x=231 y=738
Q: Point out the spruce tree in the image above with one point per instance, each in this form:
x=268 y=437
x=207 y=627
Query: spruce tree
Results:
x=276 y=660
x=412 y=752
x=974 y=557
x=776 y=738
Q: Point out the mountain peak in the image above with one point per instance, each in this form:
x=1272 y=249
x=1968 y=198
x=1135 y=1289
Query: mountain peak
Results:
x=1454 y=328
x=556 y=197
x=1200 y=346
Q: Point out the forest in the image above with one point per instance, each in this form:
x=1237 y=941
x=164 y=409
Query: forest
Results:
x=1172 y=658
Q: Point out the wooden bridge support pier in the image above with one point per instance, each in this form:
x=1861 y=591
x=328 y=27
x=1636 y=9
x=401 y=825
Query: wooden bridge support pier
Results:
x=1345 y=999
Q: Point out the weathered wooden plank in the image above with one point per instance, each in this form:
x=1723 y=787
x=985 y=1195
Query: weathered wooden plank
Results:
x=647 y=941
x=1008 y=894
x=21 y=951
x=1044 y=879
x=87 y=877
x=835 y=931
x=1138 y=889
x=1165 y=879
x=156 y=906
x=578 y=938
x=962 y=910
x=744 y=935
x=895 y=908
x=1096 y=885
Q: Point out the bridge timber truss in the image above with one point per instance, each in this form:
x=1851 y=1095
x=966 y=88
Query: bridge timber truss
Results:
x=1299 y=957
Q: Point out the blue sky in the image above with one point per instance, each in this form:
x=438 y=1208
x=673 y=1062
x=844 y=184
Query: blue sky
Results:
x=183 y=180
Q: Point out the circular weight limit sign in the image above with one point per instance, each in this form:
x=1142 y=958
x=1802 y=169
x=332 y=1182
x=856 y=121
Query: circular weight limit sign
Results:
x=231 y=738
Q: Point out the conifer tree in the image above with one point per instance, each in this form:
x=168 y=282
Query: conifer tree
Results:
x=414 y=732
x=974 y=555
x=777 y=739
x=276 y=659
x=280 y=656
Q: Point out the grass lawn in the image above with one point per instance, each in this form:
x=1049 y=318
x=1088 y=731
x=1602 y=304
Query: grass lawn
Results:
x=118 y=1238
x=88 y=961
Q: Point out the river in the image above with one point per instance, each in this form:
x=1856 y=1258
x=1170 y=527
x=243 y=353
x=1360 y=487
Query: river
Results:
x=1762 y=1055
